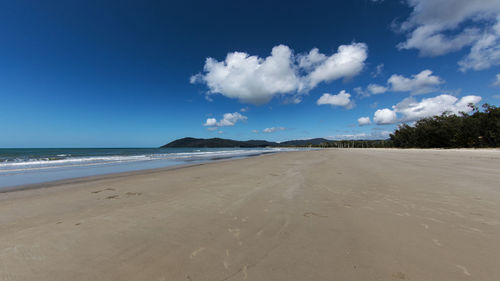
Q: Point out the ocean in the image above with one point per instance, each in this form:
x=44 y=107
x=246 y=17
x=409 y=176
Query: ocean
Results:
x=22 y=166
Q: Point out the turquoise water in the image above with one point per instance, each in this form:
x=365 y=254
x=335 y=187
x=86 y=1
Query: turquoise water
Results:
x=30 y=165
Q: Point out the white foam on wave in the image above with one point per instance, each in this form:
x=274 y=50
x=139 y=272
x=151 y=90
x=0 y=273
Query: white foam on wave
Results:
x=47 y=163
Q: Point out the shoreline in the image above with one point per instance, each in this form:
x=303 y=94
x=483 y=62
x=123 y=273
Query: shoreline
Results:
x=83 y=179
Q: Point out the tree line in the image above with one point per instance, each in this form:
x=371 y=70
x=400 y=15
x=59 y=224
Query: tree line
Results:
x=476 y=129
x=465 y=130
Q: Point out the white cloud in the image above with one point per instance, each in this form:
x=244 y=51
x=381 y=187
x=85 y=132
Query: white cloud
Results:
x=244 y=109
x=371 y=89
x=210 y=122
x=312 y=59
x=362 y=121
x=273 y=129
x=346 y=63
x=485 y=52
x=255 y=131
x=421 y=83
x=384 y=116
x=229 y=119
x=437 y=27
x=341 y=99
x=256 y=80
x=411 y=110
x=376 y=89
x=497 y=80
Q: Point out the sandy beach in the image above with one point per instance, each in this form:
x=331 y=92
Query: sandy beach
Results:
x=331 y=214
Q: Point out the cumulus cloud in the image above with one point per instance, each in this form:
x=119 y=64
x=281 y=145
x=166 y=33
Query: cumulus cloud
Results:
x=256 y=80
x=341 y=99
x=312 y=59
x=229 y=119
x=411 y=110
x=346 y=63
x=210 y=122
x=497 y=80
x=384 y=116
x=421 y=83
x=437 y=27
x=273 y=129
x=376 y=89
x=371 y=89
x=362 y=121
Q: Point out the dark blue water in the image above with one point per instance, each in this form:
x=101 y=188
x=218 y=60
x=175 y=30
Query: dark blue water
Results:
x=38 y=165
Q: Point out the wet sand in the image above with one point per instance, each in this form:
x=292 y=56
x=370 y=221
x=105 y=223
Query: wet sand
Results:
x=316 y=215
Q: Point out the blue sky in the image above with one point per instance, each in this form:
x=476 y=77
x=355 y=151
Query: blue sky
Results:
x=134 y=73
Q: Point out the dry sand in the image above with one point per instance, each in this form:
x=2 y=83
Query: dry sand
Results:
x=317 y=215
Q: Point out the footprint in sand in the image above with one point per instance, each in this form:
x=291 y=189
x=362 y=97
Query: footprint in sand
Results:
x=133 y=193
x=106 y=189
x=310 y=214
x=399 y=275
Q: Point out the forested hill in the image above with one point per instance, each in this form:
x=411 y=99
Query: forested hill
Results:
x=218 y=142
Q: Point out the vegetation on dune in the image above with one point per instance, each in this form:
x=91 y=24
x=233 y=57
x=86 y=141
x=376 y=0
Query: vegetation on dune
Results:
x=466 y=130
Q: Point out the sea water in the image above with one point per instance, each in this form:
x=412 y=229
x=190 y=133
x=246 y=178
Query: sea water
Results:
x=22 y=166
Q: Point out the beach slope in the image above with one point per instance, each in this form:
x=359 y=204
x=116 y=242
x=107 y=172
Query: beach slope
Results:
x=312 y=215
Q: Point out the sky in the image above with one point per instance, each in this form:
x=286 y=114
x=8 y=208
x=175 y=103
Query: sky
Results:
x=144 y=73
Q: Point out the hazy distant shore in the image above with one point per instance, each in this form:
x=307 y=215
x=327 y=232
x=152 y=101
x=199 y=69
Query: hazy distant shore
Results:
x=346 y=214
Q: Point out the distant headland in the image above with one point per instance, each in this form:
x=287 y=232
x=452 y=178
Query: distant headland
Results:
x=218 y=142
